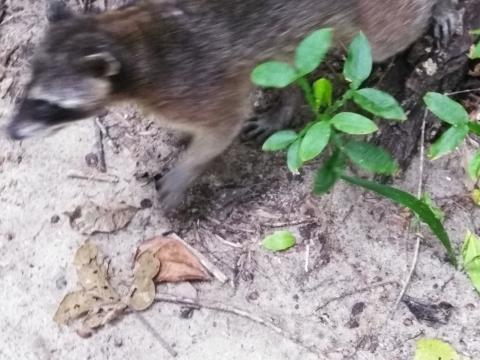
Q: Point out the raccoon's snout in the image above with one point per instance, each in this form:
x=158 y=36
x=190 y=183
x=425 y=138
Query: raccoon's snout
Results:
x=34 y=116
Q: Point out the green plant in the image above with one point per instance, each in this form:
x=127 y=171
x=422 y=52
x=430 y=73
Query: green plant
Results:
x=475 y=51
x=455 y=115
x=334 y=132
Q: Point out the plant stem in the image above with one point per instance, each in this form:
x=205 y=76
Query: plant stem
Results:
x=307 y=90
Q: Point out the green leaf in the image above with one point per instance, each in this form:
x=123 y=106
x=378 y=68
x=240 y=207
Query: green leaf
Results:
x=471 y=258
x=279 y=241
x=329 y=173
x=476 y=196
x=475 y=52
x=353 y=124
x=379 y=103
x=433 y=349
x=474 y=127
x=294 y=162
x=411 y=202
x=370 y=157
x=446 y=109
x=358 y=65
x=449 y=141
x=311 y=51
x=323 y=92
x=274 y=74
x=315 y=140
x=474 y=167
x=280 y=140
x=431 y=204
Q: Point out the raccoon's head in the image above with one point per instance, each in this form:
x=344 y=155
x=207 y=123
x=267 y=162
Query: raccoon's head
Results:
x=72 y=74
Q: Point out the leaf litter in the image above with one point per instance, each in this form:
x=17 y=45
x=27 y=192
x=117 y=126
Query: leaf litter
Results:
x=92 y=218
x=159 y=260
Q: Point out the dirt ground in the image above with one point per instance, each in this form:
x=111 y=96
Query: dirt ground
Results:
x=333 y=294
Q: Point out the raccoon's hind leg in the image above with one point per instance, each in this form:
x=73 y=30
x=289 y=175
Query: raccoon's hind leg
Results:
x=273 y=110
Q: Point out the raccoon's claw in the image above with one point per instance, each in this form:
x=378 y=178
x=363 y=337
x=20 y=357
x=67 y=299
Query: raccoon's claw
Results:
x=446 y=22
x=257 y=129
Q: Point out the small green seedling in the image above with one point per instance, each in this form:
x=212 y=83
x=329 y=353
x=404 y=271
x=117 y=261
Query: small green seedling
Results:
x=471 y=258
x=335 y=133
x=455 y=115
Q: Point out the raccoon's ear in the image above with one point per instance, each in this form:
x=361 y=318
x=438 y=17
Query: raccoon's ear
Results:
x=102 y=64
x=57 y=10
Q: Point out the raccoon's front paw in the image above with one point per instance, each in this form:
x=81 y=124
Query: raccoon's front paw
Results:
x=446 y=21
x=171 y=189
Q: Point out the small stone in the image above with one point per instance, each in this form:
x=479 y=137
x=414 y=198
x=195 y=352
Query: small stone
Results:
x=55 y=219
x=186 y=312
x=253 y=296
x=118 y=342
x=61 y=283
x=408 y=322
x=146 y=203
x=358 y=308
x=92 y=160
x=10 y=236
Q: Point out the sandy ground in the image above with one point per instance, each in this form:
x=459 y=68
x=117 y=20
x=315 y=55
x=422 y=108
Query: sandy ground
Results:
x=339 y=303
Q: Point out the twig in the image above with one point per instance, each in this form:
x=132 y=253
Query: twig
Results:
x=100 y=133
x=293 y=223
x=238 y=312
x=155 y=334
x=91 y=177
x=418 y=237
x=356 y=291
x=462 y=92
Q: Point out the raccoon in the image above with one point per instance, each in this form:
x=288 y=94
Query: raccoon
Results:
x=190 y=61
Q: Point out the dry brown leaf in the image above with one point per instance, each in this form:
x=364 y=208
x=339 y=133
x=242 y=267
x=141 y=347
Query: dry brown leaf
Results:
x=177 y=263
x=73 y=306
x=143 y=294
x=92 y=218
x=98 y=301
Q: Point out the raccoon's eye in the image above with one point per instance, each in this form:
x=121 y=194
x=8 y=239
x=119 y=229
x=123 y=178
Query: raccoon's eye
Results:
x=101 y=64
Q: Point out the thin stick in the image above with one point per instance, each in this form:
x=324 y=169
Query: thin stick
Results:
x=155 y=334
x=418 y=237
x=238 y=312
x=100 y=133
x=91 y=177
x=293 y=223
x=462 y=92
x=353 y=292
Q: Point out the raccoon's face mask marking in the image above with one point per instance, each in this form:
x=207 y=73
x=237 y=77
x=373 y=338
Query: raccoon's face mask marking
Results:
x=71 y=78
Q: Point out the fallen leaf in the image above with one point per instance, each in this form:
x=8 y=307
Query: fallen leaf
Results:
x=143 y=294
x=476 y=196
x=98 y=302
x=177 y=263
x=92 y=218
x=279 y=241
x=430 y=314
x=433 y=349
x=471 y=258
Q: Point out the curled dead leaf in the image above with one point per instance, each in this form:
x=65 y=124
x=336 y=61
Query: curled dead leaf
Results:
x=92 y=218
x=177 y=263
